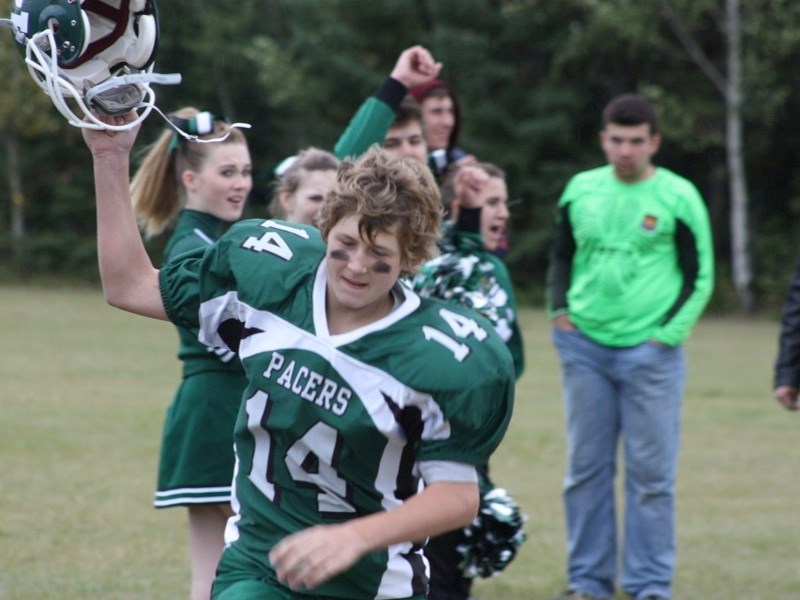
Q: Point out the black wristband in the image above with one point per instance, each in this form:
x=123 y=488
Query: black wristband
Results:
x=469 y=219
x=391 y=92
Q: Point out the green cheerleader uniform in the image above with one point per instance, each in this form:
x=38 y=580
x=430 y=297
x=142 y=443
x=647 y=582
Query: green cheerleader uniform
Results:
x=196 y=463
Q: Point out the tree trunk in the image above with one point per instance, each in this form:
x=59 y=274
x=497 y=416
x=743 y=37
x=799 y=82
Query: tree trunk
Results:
x=15 y=193
x=730 y=86
x=740 y=238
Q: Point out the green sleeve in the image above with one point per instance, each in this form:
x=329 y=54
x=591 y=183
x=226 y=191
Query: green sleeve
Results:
x=372 y=120
x=186 y=243
x=696 y=261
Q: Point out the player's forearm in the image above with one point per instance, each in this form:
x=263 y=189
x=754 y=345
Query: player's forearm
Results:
x=440 y=507
x=130 y=281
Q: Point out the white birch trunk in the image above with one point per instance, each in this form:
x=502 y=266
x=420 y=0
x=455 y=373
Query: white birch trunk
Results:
x=740 y=236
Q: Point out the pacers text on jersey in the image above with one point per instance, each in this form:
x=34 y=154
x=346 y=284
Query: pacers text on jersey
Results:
x=308 y=384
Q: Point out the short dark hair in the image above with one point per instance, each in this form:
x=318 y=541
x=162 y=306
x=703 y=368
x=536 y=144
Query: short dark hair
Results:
x=631 y=109
x=408 y=110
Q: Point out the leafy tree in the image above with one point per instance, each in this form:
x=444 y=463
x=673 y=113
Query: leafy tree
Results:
x=26 y=114
x=532 y=77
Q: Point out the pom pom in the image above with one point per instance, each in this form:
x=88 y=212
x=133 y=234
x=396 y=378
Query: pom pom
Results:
x=493 y=538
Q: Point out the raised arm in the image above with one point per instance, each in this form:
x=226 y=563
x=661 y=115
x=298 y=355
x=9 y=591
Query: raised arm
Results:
x=130 y=282
x=415 y=66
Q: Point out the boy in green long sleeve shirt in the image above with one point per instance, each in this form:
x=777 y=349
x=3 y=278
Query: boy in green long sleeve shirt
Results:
x=631 y=272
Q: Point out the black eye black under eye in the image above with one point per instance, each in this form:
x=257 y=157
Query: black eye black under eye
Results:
x=379 y=266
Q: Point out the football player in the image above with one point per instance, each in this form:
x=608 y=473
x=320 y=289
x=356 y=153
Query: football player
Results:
x=367 y=407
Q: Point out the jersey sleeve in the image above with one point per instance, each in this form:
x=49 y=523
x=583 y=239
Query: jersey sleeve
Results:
x=371 y=121
x=468 y=275
x=478 y=418
x=253 y=260
x=562 y=251
x=476 y=399
x=183 y=288
x=696 y=262
x=187 y=243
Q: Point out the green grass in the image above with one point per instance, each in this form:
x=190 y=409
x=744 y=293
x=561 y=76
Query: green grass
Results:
x=84 y=387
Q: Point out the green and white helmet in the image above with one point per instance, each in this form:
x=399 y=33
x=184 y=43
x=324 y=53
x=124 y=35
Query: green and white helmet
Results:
x=97 y=53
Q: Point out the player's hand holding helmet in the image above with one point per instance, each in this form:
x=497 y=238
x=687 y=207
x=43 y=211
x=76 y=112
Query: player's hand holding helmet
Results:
x=98 y=54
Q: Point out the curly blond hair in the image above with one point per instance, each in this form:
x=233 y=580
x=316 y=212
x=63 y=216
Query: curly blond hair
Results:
x=389 y=194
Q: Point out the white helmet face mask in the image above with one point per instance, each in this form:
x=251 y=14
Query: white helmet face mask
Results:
x=92 y=56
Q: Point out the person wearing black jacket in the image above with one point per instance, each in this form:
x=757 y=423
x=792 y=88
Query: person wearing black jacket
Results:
x=787 y=365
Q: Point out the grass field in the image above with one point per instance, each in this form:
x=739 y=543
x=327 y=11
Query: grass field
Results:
x=83 y=390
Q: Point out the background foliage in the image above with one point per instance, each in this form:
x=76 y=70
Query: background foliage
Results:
x=532 y=78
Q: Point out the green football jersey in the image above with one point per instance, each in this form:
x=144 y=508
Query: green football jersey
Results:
x=195 y=229
x=334 y=427
x=466 y=274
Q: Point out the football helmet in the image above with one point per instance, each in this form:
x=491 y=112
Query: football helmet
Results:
x=494 y=537
x=97 y=53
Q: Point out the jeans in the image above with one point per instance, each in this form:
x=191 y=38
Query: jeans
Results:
x=634 y=393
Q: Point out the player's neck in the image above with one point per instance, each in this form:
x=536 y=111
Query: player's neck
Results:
x=344 y=319
x=630 y=178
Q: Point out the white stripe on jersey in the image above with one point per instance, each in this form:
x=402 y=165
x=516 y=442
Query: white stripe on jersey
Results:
x=203 y=236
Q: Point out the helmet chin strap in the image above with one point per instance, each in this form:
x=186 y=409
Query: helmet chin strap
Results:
x=195 y=138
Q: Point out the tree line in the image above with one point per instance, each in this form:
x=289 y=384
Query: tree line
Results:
x=532 y=77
